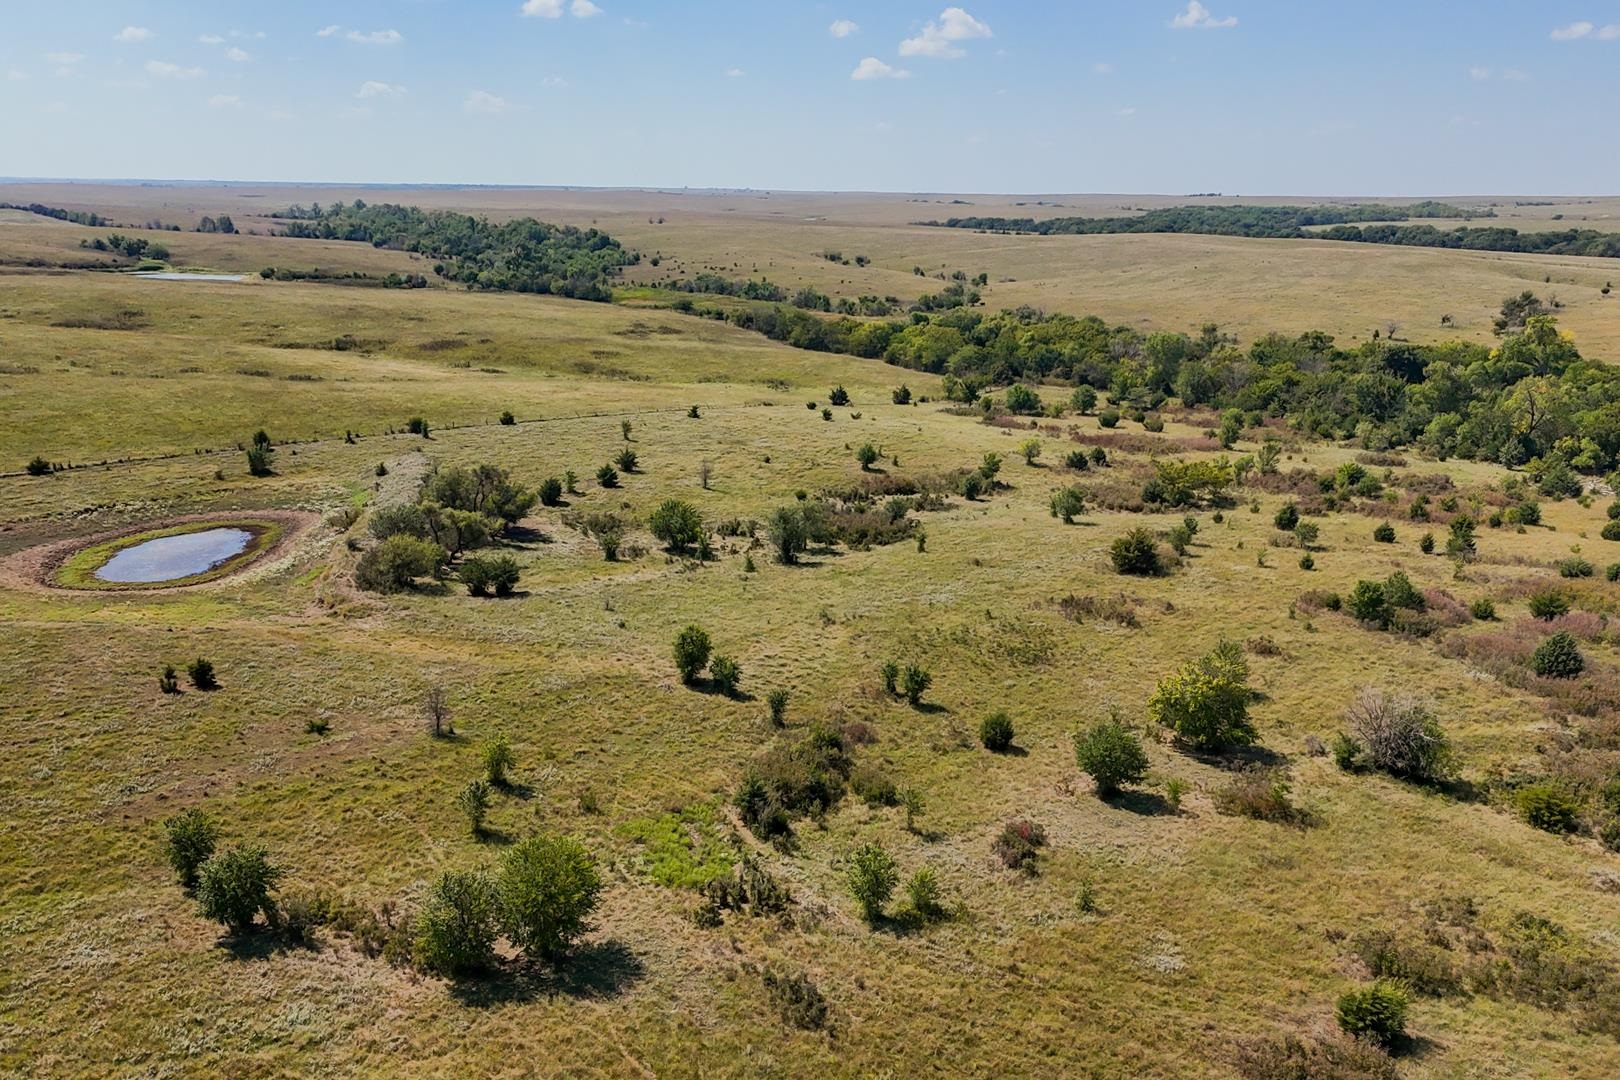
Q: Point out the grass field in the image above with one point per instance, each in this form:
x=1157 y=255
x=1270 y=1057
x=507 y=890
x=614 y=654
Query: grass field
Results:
x=1206 y=931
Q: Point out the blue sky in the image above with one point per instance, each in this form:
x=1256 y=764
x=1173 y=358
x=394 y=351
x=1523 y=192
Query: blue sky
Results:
x=1239 y=96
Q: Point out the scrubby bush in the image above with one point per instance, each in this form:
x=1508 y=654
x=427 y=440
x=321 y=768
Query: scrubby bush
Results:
x=397 y=562
x=1030 y=450
x=1574 y=567
x=802 y=776
x=1259 y=792
x=1076 y=460
x=625 y=460
x=1384 y=533
x=901 y=395
x=1287 y=517
x=169 y=680
x=1398 y=735
x=871 y=875
x=1111 y=754
x=788 y=533
x=482 y=574
x=201 y=673
x=1067 y=504
x=1426 y=543
x=692 y=649
x=796 y=998
x=867 y=455
x=233 y=887
x=473 y=802
x=455 y=930
x=38 y=466
x=547 y=889
x=873 y=786
x=607 y=476
x=1206 y=703
x=1108 y=418
x=1022 y=400
x=1137 y=552
x=1019 y=844
x=498 y=758
x=1558 y=657
x=1293 y=1058
x=777 y=702
x=838 y=396
x=677 y=523
x=507 y=419
x=890 y=671
x=1548 y=805
x=1483 y=609
x=1376 y=1012
x=1084 y=399
x=924 y=893
x=725 y=674
x=1549 y=604
x=551 y=491
x=914 y=682
x=189 y=838
x=405 y=519
x=996 y=732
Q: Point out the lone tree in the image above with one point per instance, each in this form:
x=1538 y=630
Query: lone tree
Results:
x=872 y=876
x=548 y=888
x=188 y=842
x=1206 y=703
x=789 y=534
x=677 y=523
x=692 y=649
x=1112 y=755
x=234 y=888
x=455 y=930
x=867 y=455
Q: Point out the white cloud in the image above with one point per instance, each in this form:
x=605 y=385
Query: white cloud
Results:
x=372 y=89
x=554 y=9
x=1479 y=74
x=873 y=68
x=1129 y=110
x=1102 y=67
x=482 y=101
x=939 y=39
x=735 y=73
x=375 y=37
x=1609 y=33
x=553 y=80
x=1573 y=32
x=211 y=39
x=162 y=69
x=17 y=76
x=64 y=59
x=131 y=34
x=328 y=31
x=583 y=9
x=224 y=101
x=1515 y=75
x=842 y=28
x=239 y=56
x=1198 y=17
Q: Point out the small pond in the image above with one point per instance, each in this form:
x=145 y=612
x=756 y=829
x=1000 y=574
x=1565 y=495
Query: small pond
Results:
x=170 y=275
x=169 y=558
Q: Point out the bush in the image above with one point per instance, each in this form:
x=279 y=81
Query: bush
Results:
x=1206 y=703
x=1137 y=552
x=1611 y=530
x=233 y=888
x=1019 y=844
x=777 y=701
x=805 y=776
x=996 y=732
x=551 y=491
x=396 y=562
x=1399 y=736
x=1291 y=1058
x=838 y=396
x=1067 y=504
x=38 y=466
x=691 y=652
x=455 y=930
x=677 y=523
x=547 y=889
x=626 y=461
x=1287 y=517
x=796 y=998
x=867 y=455
x=1426 y=543
x=1260 y=792
x=1574 y=567
x=1376 y=1013
x=788 y=533
x=201 y=674
x=498 y=758
x=1612 y=571
x=873 y=786
x=1084 y=399
x=1153 y=422
x=1076 y=460
x=890 y=672
x=507 y=419
x=924 y=893
x=607 y=476
x=482 y=573
x=1022 y=400
x=901 y=395
x=1112 y=755
x=473 y=801
x=1548 y=805
x=169 y=680
x=1384 y=533
x=1368 y=604
x=914 y=682
x=725 y=674
x=1030 y=450
x=188 y=842
x=1483 y=609
x=1558 y=657
x=1549 y=604
x=395 y=520
x=1108 y=418
x=871 y=875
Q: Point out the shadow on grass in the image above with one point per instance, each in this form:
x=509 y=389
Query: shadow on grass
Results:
x=1237 y=758
x=1145 y=803
x=262 y=942
x=493 y=837
x=599 y=970
x=1010 y=750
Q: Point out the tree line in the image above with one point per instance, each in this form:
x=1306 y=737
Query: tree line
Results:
x=1275 y=222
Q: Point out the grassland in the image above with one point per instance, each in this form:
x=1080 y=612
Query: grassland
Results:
x=1208 y=930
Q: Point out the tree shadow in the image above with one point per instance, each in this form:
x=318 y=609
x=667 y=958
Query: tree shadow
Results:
x=1237 y=758
x=931 y=708
x=1011 y=750
x=493 y=837
x=262 y=943
x=596 y=971
x=1145 y=803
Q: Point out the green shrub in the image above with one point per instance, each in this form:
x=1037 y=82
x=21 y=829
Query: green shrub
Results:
x=691 y=652
x=1260 y=792
x=481 y=574
x=406 y=519
x=38 y=466
x=805 y=776
x=871 y=875
x=1527 y=512
x=1426 y=543
x=397 y=562
x=901 y=395
x=507 y=419
x=1076 y=460
x=201 y=673
x=455 y=930
x=233 y=888
x=1483 y=609
x=1307 y=561
x=677 y=523
x=1206 y=703
x=838 y=396
x=1368 y=604
x=1376 y=1012
x=725 y=674
x=1574 y=567
x=551 y=491
x=1137 y=552
x=867 y=455
x=1287 y=517
x=1019 y=844
x=890 y=671
x=1384 y=533
x=1558 y=657
x=498 y=758
x=914 y=682
x=473 y=801
x=1067 y=504
x=873 y=786
x=796 y=998
x=1611 y=530
x=547 y=889
x=1153 y=422
x=789 y=534
x=1612 y=571
x=607 y=476
x=1111 y=754
x=1548 y=805
x=777 y=701
x=1549 y=604
x=189 y=838
x=1084 y=398
x=626 y=461
x=169 y=680
x=1108 y=418
x=996 y=732
x=924 y=893
x=1400 y=593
